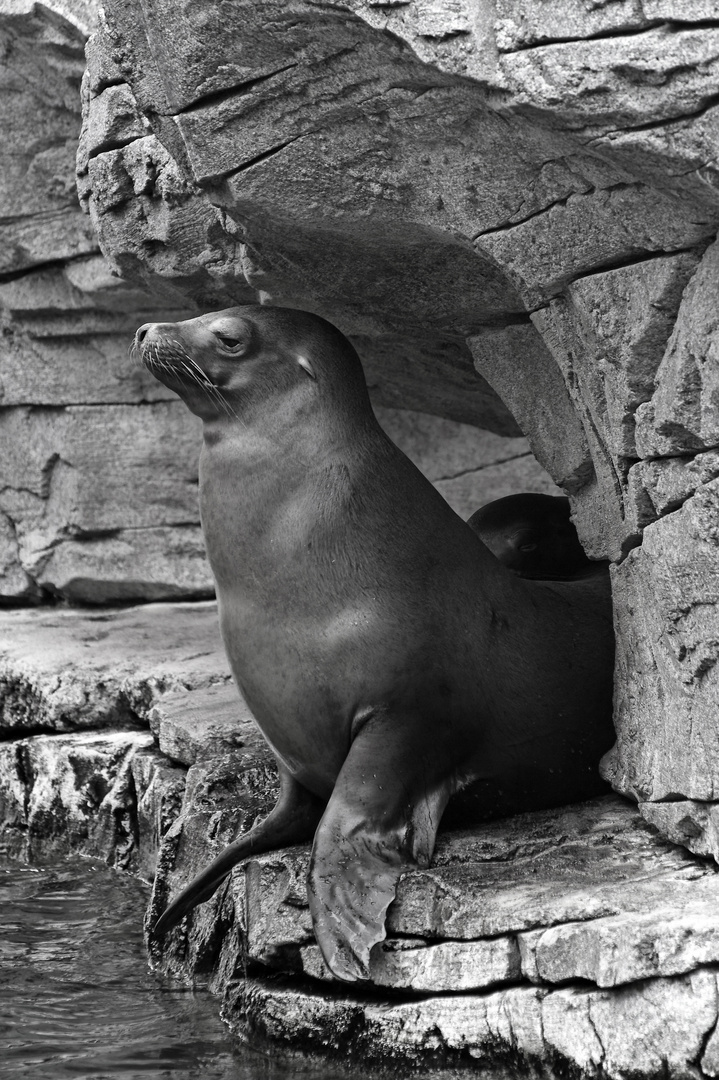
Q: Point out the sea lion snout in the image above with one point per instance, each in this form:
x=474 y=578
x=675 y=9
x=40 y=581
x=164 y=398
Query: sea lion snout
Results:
x=152 y=334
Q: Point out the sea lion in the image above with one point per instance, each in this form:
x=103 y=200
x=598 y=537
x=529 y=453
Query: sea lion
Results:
x=391 y=662
x=533 y=535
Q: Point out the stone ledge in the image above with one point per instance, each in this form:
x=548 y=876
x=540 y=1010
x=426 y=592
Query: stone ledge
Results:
x=573 y=939
x=658 y=1028
x=64 y=668
x=586 y=892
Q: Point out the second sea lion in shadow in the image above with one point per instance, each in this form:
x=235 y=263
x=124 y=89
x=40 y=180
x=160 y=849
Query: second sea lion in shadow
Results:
x=393 y=664
x=532 y=534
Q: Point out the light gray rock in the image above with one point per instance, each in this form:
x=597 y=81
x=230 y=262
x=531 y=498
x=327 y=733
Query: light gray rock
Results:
x=676 y=156
x=693 y=824
x=71 y=793
x=657 y=1027
x=683 y=415
x=412 y=964
x=103 y=468
x=430 y=375
x=66 y=323
x=40 y=220
x=607 y=335
x=579 y=881
x=15 y=583
x=587 y=231
x=156 y=231
x=617 y=81
x=521 y=23
x=114 y=121
x=103 y=501
x=586 y=67
x=124 y=566
x=672 y=936
x=620 y=322
x=666 y=695
x=661 y=485
x=66 y=331
x=62 y=669
x=224 y=796
x=159 y=787
x=202 y=723
x=535 y=391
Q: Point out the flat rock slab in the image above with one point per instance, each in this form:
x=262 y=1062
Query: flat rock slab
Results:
x=64 y=668
x=585 y=892
x=192 y=725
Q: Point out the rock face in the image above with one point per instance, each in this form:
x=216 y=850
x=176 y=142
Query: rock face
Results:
x=570 y=941
x=79 y=422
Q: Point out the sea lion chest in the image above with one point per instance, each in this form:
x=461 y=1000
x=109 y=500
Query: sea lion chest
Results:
x=298 y=628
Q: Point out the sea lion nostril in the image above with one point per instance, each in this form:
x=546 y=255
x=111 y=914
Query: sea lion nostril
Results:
x=141 y=334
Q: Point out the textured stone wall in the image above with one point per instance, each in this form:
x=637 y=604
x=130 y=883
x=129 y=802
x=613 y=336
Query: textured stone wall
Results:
x=98 y=499
x=510 y=205
x=89 y=445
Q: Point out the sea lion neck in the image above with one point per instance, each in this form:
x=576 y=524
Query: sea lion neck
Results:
x=307 y=421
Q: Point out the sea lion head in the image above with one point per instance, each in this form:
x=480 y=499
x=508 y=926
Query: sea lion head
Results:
x=224 y=363
x=532 y=534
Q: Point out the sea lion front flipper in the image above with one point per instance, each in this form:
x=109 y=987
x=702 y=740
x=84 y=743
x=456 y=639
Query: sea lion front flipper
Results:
x=293 y=819
x=381 y=820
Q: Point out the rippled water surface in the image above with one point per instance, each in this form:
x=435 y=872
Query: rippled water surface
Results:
x=77 y=1000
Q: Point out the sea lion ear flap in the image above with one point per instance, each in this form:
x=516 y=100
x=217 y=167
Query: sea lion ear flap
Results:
x=304 y=363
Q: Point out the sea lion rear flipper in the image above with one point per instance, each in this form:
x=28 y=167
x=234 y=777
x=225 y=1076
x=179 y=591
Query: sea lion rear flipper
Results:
x=381 y=820
x=293 y=819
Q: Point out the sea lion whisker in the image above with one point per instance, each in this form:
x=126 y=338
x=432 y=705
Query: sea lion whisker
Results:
x=213 y=392
x=209 y=385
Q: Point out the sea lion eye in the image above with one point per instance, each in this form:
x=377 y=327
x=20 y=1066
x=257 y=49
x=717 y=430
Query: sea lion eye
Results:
x=230 y=342
x=234 y=335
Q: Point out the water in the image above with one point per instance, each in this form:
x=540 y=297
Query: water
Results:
x=77 y=1000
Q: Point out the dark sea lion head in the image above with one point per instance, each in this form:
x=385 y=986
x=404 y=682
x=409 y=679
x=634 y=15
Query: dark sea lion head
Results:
x=227 y=364
x=532 y=534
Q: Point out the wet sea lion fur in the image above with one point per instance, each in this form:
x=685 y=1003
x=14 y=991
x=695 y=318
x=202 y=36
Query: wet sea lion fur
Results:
x=533 y=535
